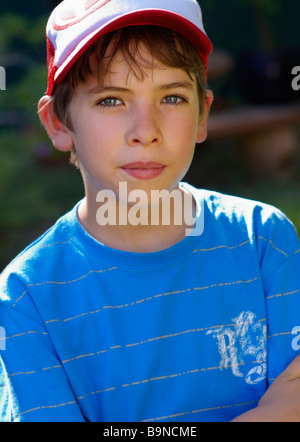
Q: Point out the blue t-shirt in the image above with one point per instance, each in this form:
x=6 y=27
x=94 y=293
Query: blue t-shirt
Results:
x=196 y=332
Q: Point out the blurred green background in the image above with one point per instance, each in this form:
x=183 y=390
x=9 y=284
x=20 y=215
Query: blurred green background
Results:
x=37 y=185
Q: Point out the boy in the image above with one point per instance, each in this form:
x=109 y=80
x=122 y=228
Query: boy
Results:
x=129 y=317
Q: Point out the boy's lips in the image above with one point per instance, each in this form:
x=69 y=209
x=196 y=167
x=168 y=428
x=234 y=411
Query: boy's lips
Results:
x=144 y=170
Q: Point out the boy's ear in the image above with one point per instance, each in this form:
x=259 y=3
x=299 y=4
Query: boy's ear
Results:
x=202 y=128
x=59 y=134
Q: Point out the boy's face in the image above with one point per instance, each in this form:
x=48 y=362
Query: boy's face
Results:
x=138 y=130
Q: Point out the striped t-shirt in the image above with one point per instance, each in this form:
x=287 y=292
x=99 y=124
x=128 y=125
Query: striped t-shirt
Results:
x=195 y=332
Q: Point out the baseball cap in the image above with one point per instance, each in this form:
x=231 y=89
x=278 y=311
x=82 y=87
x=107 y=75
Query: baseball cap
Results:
x=75 y=25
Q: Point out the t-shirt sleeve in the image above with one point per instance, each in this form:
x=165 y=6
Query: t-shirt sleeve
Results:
x=280 y=268
x=33 y=383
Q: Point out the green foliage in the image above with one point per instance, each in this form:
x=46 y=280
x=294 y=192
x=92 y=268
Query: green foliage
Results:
x=37 y=185
x=34 y=190
x=267 y=7
x=16 y=29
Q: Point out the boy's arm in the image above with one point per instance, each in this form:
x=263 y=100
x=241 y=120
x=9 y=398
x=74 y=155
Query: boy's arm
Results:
x=281 y=402
x=34 y=385
x=279 y=264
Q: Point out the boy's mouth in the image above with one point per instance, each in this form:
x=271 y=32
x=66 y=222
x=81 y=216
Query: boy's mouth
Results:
x=144 y=170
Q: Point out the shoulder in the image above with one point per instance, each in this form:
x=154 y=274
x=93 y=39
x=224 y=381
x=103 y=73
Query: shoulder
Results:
x=263 y=223
x=37 y=258
x=221 y=204
x=238 y=208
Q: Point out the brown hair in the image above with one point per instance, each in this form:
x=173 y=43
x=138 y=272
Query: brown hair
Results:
x=165 y=46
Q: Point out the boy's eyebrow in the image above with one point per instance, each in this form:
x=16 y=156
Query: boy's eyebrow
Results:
x=176 y=85
x=167 y=86
x=98 y=89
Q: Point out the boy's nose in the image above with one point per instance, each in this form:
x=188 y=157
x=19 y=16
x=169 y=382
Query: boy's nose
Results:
x=144 y=129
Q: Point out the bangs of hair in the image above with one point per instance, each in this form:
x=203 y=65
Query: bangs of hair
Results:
x=164 y=45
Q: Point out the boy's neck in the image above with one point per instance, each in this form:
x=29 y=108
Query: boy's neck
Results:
x=141 y=238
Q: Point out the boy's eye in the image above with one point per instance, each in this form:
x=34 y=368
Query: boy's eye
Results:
x=110 y=101
x=174 y=99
